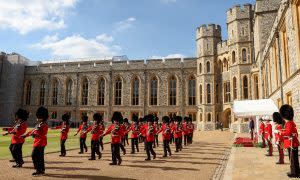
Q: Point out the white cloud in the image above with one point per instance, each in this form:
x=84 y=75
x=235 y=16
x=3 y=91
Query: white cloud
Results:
x=170 y=56
x=105 y=38
x=168 y=1
x=29 y=15
x=124 y=25
x=76 y=46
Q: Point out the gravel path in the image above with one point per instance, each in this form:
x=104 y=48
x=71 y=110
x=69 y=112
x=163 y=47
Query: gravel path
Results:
x=198 y=161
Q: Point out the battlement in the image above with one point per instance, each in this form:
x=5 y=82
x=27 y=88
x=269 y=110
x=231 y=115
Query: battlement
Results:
x=240 y=12
x=222 y=47
x=210 y=30
x=106 y=65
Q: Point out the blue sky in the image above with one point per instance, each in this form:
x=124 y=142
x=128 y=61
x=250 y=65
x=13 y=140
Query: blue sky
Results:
x=140 y=29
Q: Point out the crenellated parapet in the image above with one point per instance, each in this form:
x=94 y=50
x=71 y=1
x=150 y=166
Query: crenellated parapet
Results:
x=239 y=12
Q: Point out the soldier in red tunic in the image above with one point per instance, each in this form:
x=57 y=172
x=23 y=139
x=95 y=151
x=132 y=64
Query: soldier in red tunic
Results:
x=65 y=127
x=96 y=131
x=166 y=132
x=17 y=140
x=149 y=130
x=39 y=133
x=115 y=131
x=278 y=138
x=134 y=135
x=177 y=132
x=262 y=133
x=156 y=126
x=268 y=136
x=290 y=139
x=191 y=128
x=123 y=131
x=83 y=130
x=185 y=131
x=127 y=127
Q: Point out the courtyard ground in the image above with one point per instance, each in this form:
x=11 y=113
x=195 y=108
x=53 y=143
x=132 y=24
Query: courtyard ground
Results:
x=249 y=163
x=204 y=159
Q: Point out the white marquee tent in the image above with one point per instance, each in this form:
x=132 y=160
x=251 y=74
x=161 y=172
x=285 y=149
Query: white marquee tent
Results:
x=263 y=108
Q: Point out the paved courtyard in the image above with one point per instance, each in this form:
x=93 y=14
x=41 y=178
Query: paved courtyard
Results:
x=202 y=160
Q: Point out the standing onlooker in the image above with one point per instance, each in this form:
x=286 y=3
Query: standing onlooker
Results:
x=262 y=132
x=290 y=139
x=251 y=128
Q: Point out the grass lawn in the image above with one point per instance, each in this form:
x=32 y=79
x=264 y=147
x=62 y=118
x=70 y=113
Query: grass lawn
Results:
x=52 y=146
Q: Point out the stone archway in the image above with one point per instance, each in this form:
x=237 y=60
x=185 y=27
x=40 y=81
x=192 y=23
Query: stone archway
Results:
x=226 y=118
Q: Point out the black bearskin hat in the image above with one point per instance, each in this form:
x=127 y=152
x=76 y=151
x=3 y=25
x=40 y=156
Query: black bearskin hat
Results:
x=22 y=114
x=42 y=113
x=117 y=116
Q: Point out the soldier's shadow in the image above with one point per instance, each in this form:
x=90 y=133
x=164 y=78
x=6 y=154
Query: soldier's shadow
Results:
x=78 y=176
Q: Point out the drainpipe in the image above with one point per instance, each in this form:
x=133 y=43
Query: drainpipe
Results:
x=280 y=67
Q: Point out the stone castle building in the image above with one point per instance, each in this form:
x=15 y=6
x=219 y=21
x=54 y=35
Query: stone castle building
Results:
x=260 y=59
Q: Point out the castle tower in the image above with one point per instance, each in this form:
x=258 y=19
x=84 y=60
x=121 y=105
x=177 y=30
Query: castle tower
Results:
x=207 y=38
x=237 y=76
x=11 y=86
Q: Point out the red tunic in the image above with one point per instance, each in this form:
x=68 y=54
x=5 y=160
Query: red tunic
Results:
x=278 y=137
x=64 y=130
x=262 y=129
x=190 y=128
x=177 y=130
x=143 y=133
x=40 y=135
x=149 y=131
x=83 y=128
x=268 y=131
x=166 y=131
x=122 y=126
x=17 y=131
x=96 y=132
x=290 y=135
x=116 y=131
x=135 y=130
x=185 y=129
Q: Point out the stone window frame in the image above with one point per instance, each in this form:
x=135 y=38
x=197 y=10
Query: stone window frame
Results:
x=172 y=97
x=85 y=91
x=227 y=92
x=191 y=95
x=118 y=91
x=208 y=93
x=28 y=93
x=285 y=49
x=235 y=90
x=233 y=57
x=154 y=101
x=245 y=88
x=209 y=117
x=244 y=55
x=256 y=86
x=208 y=67
x=42 y=92
x=135 y=98
x=54 y=92
x=69 y=85
x=296 y=21
x=201 y=93
x=101 y=85
x=200 y=68
x=225 y=65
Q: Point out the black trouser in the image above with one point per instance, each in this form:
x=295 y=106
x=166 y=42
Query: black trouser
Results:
x=125 y=140
x=38 y=158
x=149 y=149
x=180 y=142
x=63 y=147
x=122 y=147
x=177 y=144
x=95 y=149
x=167 y=147
x=145 y=143
x=294 y=160
x=101 y=142
x=16 y=152
x=115 y=153
x=190 y=138
x=155 y=140
x=82 y=144
x=186 y=139
x=171 y=138
x=134 y=141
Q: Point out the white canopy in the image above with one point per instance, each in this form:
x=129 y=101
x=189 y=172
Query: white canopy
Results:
x=250 y=108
